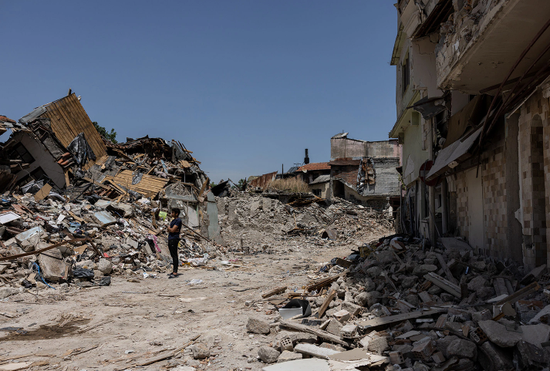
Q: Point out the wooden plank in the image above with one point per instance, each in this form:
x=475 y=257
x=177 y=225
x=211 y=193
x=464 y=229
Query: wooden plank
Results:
x=384 y=321
x=319 y=333
x=12 y=257
x=445 y=269
x=520 y=294
x=323 y=282
x=44 y=191
x=446 y=285
x=79 y=114
x=275 y=291
x=326 y=303
x=67 y=180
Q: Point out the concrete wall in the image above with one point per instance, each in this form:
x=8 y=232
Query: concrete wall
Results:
x=414 y=149
x=42 y=158
x=323 y=187
x=534 y=168
x=353 y=148
x=348 y=173
x=494 y=200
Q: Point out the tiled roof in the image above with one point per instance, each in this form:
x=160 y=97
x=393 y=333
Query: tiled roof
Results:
x=315 y=166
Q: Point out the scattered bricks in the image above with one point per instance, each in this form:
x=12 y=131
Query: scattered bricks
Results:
x=477 y=335
x=286 y=344
x=438 y=357
x=257 y=326
x=348 y=331
x=353 y=309
x=396 y=358
x=342 y=316
x=423 y=350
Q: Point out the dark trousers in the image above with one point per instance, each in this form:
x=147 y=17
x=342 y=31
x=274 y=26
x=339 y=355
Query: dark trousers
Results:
x=173 y=246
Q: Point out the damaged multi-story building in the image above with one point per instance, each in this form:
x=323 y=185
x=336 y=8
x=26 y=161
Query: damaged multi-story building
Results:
x=364 y=171
x=472 y=101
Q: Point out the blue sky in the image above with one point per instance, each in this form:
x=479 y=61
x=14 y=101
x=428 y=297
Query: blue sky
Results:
x=245 y=85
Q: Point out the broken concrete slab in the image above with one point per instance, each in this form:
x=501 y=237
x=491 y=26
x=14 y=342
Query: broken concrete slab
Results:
x=104 y=217
x=30 y=238
x=536 y=334
x=52 y=266
x=499 y=335
x=310 y=364
x=287 y=355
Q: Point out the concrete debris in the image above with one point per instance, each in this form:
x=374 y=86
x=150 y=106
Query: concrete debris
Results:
x=413 y=312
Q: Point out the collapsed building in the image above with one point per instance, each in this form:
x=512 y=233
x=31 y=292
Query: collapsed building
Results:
x=472 y=105
x=62 y=183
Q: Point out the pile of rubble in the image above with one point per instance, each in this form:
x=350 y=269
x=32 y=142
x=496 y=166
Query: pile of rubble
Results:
x=254 y=223
x=77 y=208
x=394 y=306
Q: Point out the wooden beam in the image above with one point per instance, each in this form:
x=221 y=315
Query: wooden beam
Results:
x=374 y=323
x=275 y=291
x=520 y=294
x=445 y=269
x=324 y=282
x=325 y=305
x=446 y=285
x=44 y=249
x=319 y=333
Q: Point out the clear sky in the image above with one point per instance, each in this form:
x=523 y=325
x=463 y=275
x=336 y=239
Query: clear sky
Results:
x=245 y=85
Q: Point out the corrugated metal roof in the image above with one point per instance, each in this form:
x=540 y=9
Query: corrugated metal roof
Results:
x=321 y=179
x=263 y=180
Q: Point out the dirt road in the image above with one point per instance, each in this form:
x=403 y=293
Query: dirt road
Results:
x=137 y=320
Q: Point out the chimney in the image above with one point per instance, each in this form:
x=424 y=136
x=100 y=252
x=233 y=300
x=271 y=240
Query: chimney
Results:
x=306 y=159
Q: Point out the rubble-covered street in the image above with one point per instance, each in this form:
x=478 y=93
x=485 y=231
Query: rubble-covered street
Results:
x=425 y=246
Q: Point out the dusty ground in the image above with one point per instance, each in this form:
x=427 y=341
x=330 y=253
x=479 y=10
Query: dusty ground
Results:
x=136 y=319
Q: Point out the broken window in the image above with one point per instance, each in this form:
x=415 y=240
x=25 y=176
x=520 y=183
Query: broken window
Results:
x=405 y=74
x=316 y=192
x=21 y=153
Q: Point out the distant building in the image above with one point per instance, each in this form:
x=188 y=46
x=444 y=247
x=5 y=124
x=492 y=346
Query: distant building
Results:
x=365 y=172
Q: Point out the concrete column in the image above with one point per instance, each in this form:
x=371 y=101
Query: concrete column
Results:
x=513 y=226
x=431 y=190
x=444 y=207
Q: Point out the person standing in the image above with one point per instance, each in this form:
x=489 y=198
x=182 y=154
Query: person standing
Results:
x=173 y=240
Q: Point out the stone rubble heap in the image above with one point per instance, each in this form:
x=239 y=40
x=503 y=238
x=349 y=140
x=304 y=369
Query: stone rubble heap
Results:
x=398 y=306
